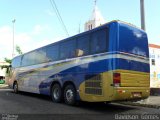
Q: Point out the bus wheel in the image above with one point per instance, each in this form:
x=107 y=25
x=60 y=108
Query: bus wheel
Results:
x=56 y=93
x=15 y=87
x=70 y=95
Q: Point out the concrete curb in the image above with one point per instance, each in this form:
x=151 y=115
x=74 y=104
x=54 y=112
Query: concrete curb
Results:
x=140 y=104
x=2 y=86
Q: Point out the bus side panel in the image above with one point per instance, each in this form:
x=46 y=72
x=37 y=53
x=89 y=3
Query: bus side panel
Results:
x=97 y=88
x=79 y=72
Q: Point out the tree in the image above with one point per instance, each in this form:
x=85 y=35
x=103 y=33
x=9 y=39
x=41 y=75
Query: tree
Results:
x=18 y=50
x=8 y=60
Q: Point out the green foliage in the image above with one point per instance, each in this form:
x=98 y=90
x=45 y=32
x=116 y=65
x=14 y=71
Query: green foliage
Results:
x=2 y=81
x=18 y=50
x=8 y=67
x=8 y=60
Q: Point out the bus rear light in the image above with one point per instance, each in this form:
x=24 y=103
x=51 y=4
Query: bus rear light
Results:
x=121 y=91
x=116 y=79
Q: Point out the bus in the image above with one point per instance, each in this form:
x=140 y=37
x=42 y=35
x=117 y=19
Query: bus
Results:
x=105 y=64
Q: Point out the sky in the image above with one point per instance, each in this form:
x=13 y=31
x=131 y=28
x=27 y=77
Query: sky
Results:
x=37 y=25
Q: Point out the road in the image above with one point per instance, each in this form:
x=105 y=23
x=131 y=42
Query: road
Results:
x=26 y=104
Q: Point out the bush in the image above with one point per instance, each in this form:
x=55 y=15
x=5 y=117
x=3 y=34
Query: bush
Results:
x=2 y=81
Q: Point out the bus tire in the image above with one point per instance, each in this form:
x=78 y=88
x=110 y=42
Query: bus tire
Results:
x=15 y=87
x=56 y=93
x=70 y=95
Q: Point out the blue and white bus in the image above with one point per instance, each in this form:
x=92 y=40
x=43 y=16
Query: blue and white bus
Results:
x=108 y=63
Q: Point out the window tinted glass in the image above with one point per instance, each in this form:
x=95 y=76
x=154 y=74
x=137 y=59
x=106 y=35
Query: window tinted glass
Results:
x=40 y=56
x=16 y=62
x=67 y=49
x=28 y=59
x=83 y=44
x=99 y=41
x=24 y=60
x=132 y=40
x=52 y=53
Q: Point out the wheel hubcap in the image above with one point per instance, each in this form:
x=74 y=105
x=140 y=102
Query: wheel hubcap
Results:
x=56 y=93
x=69 y=95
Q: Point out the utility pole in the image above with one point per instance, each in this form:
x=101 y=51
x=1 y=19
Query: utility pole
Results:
x=13 y=21
x=142 y=15
x=95 y=2
x=79 y=29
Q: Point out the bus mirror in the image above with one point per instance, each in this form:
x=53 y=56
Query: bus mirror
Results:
x=79 y=52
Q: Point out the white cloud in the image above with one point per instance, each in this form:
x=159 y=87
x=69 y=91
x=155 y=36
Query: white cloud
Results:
x=6 y=45
x=37 y=29
x=26 y=41
x=49 y=12
x=6 y=38
x=48 y=41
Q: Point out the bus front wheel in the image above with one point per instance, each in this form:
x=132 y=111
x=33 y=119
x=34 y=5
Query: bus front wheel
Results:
x=70 y=95
x=15 y=87
x=56 y=93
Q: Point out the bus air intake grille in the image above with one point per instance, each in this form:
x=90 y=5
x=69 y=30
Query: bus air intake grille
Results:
x=93 y=91
x=93 y=84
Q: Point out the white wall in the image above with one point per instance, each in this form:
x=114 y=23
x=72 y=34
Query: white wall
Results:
x=154 y=69
x=2 y=71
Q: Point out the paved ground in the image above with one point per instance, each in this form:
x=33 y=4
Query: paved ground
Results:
x=33 y=104
x=152 y=100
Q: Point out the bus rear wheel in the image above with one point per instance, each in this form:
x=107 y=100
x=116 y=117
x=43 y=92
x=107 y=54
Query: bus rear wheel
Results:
x=15 y=87
x=56 y=93
x=70 y=95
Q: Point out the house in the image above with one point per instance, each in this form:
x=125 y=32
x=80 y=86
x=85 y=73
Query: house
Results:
x=154 y=54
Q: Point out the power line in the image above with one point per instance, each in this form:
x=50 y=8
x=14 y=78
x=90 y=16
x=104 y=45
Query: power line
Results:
x=54 y=6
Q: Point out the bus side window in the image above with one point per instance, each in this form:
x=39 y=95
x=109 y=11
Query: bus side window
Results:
x=83 y=44
x=40 y=56
x=67 y=49
x=28 y=59
x=24 y=60
x=52 y=53
x=16 y=62
x=79 y=53
x=99 y=42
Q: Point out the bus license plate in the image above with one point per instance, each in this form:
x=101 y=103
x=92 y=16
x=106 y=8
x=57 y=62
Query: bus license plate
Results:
x=137 y=94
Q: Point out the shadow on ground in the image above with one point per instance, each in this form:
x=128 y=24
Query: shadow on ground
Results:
x=112 y=108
